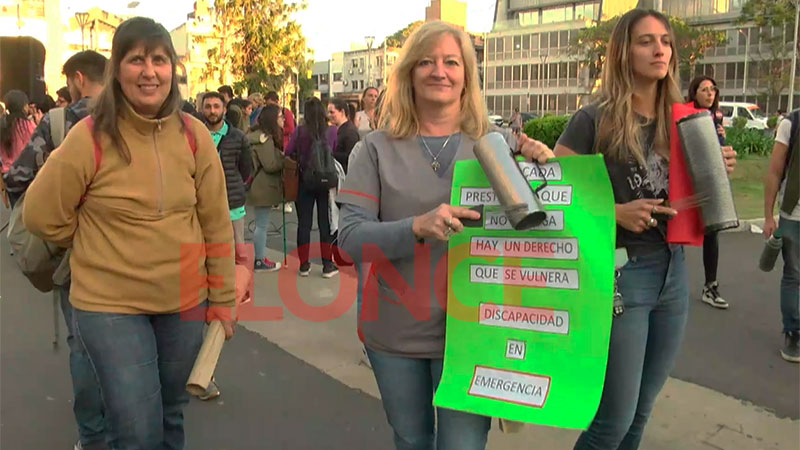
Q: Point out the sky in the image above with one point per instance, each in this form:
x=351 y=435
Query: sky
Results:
x=329 y=25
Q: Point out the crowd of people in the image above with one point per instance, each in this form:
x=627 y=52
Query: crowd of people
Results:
x=142 y=179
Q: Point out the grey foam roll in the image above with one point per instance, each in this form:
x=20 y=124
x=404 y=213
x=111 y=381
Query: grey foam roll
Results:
x=512 y=189
x=707 y=170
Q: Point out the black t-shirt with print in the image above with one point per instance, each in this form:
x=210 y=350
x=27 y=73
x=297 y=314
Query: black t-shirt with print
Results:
x=629 y=180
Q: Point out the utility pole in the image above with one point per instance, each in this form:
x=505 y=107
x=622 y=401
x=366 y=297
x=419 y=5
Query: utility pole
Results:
x=82 y=18
x=370 y=40
x=794 y=55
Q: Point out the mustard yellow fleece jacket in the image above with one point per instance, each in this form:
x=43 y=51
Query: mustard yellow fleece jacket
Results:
x=139 y=239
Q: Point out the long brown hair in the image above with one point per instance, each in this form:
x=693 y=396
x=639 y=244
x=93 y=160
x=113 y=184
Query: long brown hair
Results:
x=106 y=111
x=619 y=128
x=268 y=124
x=695 y=85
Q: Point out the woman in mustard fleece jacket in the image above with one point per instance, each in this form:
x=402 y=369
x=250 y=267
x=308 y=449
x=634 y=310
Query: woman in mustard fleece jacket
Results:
x=140 y=224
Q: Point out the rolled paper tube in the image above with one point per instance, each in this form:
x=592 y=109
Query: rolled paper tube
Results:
x=520 y=203
x=207 y=359
x=510 y=426
x=707 y=171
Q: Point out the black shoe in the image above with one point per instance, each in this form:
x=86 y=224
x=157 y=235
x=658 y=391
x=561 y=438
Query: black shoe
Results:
x=791 y=349
x=305 y=269
x=329 y=270
x=712 y=297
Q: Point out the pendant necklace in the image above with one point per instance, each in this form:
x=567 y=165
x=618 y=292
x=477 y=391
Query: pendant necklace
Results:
x=435 y=164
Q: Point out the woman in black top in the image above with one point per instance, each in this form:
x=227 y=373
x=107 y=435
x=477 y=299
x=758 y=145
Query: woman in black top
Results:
x=704 y=93
x=630 y=127
x=342 y=115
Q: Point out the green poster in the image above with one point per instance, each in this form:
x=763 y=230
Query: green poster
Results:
x=529 y=312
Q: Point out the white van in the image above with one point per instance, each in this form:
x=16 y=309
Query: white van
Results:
x=755 y=117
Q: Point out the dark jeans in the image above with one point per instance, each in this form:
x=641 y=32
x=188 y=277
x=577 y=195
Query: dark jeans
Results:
x=407 y=386
x=711 y=256
x=790 y=281
x=305 y=215
x=143 y=362
x=88 y=404
x=644 y=344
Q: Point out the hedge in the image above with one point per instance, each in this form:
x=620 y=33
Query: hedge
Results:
x=546 y=129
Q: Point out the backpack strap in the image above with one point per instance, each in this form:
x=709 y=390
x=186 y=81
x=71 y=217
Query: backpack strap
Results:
x=187 y=130
x=98 y=153
x=58 y=126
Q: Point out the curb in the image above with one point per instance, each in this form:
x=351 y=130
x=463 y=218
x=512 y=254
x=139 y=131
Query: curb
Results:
x=749 y=225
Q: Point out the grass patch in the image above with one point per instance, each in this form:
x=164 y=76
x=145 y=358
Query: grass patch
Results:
x=748 y=186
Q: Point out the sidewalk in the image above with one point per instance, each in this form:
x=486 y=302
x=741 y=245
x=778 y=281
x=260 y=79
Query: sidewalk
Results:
x=687 y=416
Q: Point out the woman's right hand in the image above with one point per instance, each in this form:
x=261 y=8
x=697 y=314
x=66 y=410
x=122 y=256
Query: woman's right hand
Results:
x=769 y=227
x=442 y=222
x=637 y=216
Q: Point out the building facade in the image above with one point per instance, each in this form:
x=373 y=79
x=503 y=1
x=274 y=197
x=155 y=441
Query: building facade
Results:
x=348 y=73
x=530 y=66
x=453 y=12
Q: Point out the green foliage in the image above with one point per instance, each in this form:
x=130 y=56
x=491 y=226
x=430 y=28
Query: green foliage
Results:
x=772 y=122
x=739 y=123
x=546 y=129
x=399 y=37
x=259 y=42
x=691 y=42
x=749 y=141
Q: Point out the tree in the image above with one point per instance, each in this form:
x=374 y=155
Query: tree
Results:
x=774 y=20
x=259 y=43
x=399 y=37
x=691 y=43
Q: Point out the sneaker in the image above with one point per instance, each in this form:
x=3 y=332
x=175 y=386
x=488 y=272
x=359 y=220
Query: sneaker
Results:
x=305 y=269
x=265 y=265
x=287 y=208
x=212 y=391
x=712 y=297
x=78 y=445
x=791 y=350
x=329 y=270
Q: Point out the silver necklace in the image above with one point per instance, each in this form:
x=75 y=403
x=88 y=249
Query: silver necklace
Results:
x=435 y=164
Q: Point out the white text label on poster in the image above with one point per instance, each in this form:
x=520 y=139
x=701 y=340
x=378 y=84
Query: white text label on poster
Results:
x=524 y=318
x=513 y=387
x=535 y=277
x=542 y=248
x=551 y=195
x=497 y=220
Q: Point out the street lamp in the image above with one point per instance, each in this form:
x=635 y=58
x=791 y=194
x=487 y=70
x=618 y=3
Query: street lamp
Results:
x=370 y=40
x=746 y=57
x=82 y=18
x=794 y=55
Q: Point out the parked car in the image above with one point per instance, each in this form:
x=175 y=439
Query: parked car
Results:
x=496 y=120
x=755 y=117
x=526 y=116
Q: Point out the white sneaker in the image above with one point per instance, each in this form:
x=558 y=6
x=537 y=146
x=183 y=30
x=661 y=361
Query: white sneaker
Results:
x=78 y=445
x=712 y=297
x=287 y=208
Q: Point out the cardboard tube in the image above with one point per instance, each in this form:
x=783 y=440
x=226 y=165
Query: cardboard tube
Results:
x=206 y=361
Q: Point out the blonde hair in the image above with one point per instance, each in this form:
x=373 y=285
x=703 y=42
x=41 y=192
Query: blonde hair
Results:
x=619 y=128
x=398 y=114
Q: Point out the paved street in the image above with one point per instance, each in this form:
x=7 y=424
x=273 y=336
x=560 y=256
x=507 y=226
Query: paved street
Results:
x=298 y=385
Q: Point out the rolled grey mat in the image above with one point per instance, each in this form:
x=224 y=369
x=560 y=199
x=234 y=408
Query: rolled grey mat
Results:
x=707 y=170
x=519 y=201
x=772 y=248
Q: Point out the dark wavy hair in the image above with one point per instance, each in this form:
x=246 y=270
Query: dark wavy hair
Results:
x=315 y=119
x=130 y=34
x=695 y=85
x=15 y=101
x=268 y=124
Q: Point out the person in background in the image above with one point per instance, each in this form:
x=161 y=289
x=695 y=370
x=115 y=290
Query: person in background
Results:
x=257 y=100
x=64 y=98
x=366 y=118
x=15 y=129
x=234 y=151
x=289 y=124
x=132 y=224
x=783 y=178
x=84 y=72
x=246 y=107
x=234 y=112
x=703 y=92
x=516 y=122
x=339 y=114
x=629 y=126
x=314 y=128
x=266 y=189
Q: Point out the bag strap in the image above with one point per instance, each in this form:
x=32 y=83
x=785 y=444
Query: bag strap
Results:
x=98 y=154
x=187 y=130
x=58 y=126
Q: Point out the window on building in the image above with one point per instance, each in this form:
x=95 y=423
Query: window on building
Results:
x=508 y=45
x=535 y=41
x=499 y=43
x=323 y=78
x=556 y=14
x=355 y=63
x=337 y=76
x=517 y=43
x=361 y=62
x=545 y=41
x=525 y=73
x=563 y=39
x=526 y=42
x=517 y=74
x=529 y=18
x=507 y=77
x=499 y=75
x=554 y=39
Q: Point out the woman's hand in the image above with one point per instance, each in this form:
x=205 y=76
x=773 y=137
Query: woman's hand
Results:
x=769 y=227
x=224 y=314
x=729 y=154
x=637 y=216
x=533 y=150
x=442 y=222
x=721 y=131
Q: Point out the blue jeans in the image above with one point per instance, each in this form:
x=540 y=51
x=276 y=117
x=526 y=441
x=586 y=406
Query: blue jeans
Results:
x=644 y=343
x=407 y=386
x=143 y=362
x=790 y=282
x=260 y=235
x=88 y=404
